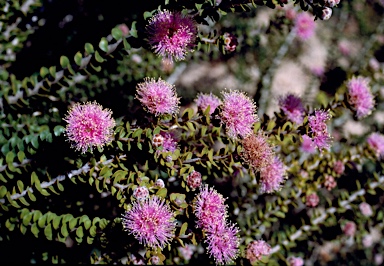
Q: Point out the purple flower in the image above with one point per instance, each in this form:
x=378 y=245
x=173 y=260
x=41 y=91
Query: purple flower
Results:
x=238 y=114
x=293 y=108
x=205 y=100
x=360 y=97
x=209 y=207
x=376 y=142
x=304 y=26
x=257 y=152
x=256 y=249
x=88 y=126
x=318 y=128
x=223 y=242
x=151 y=222
x=307 y=145
x=169 y=142
x=158 y=97
x=295 y=261
x=272 y=176
x=171 y=34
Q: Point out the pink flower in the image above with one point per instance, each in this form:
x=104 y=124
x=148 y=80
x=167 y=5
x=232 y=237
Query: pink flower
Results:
x=89 y=126
x=365 y=209
x=171 y=34
x=186 y=252
x=256 y=250
x=295 y=261
x=318 y=128
x=360 y=96
x=339 y=167
x=151 y=222
x=169 y=142
x=293 y=108
x=304 y=26
x=272 y=176
x=194 y=180
x=141 y=193
x=238 y=114
x=223 y=242
x=205 y=100
x=209 y=207
x=257 y=152
x=376 y=142
x=307 y=145
x=158 y=97
x=329 y=182
x=230 y=42
x=312 y=200
x=349 y=228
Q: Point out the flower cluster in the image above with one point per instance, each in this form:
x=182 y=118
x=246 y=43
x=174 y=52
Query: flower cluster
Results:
x=194 y=180
x=304 y=26
x=318 y=127
x=293 y=107
x=204 y=100
x=360 y=97
x=312 y=200
x=151 y=222
x=376 y=142
x=89 y=126
x=272 y=176
x=256 y=250
x=171 y=34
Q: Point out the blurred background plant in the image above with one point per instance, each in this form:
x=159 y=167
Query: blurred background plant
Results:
x=63 y=206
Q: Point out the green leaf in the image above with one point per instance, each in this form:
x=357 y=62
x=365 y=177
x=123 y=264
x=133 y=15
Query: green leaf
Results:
x=44 y=71
x=3 y=191
x=21 y=156
x=35 y=141
x=35 y=230
x=31 y=196
x=79 y=231
x=133 y=31
x=58 y=130
x=56 y=222
x=9 y=158
x=103 y=44
x=52 y=71
x=162 y=192
x=117 y=34
x=42 y=220
x=98 y=57
x=72 y=223
x=89 y=48
x=64 y=61
x=20 y=185
x=48 y=232
x=64 y=230
x=183 y=228
x=78 y=58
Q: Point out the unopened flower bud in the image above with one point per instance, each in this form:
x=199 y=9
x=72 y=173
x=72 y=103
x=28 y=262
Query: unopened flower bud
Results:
x=141 y=193
x=326 y=13
x=230 y=42
x=157 y=140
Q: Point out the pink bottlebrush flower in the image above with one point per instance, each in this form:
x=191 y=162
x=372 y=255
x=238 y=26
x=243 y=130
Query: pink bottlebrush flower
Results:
x=171 y=34
x=293 y=107
x=307 y=145
x=204 y=100
x=223 y=242
x=151 y=222
x=365 y=209
x=256 y=250
x=194 y=180
x=312 y=200
x=209 y=207
x=295 y=261
x=257 y=152
x=272 y=176
x=360 y=96
x=318 y=128
x=329 y=182
x=338 y=167
x=141 y=193
x=304 y=26
x=89 y=125
x=238 y=114
x=158 y=97
x=349 y=228
x=376 y=142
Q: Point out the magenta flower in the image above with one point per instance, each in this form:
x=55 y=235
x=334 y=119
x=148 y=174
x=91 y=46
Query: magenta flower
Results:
x=256 y=250
x=272 y=176
x=238 y=114
x=293 y=108
x=257 y=152
x=158 y=97
x=360 y=96
x=304 y=26
x=376 y=142
x=318 y=128
x=307 y=145
x=171 y=34
x=89 y=126
x=205 y=100
x=223 y=242
x=151 y=222
x=209 y=207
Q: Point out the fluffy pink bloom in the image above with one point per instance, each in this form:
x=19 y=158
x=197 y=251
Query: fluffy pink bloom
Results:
x=171 y=34
x=312 y=200
x=293 y=108
x=339 y=167
x=89 y=125
x=158 y=97
x=360 y=96
x=304 y=26
x=307 y=145
x=349 y=228
x=223 y=242
x=209 y=207
x=141 y=193
x=194 y=180
x=376 y=142
x=256 y=250
x=170 y=142
x=318 y=128
x=295 y=261
x=257 y=151
x=365 y=209
x=151 y=222
x=205 y=100
x=272 y=176
x=238 y=114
